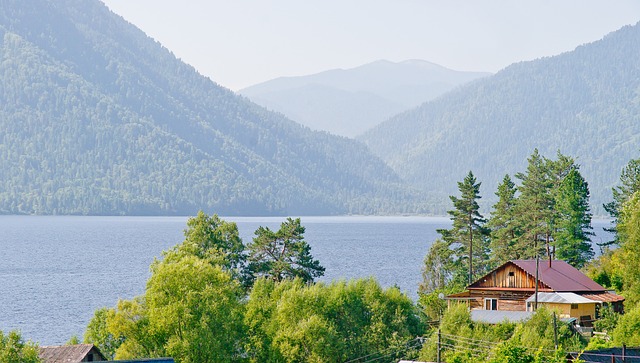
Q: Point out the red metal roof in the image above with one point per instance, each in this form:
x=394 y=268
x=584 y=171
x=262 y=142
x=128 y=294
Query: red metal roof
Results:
x=560 y=276
x=607 y=297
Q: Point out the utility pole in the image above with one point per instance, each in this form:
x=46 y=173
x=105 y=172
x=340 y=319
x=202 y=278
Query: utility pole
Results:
x=535 y=305
x=439 y=346
x=555 y=331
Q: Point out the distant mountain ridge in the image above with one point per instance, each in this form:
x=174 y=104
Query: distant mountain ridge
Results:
x=348 y=102
x=585 y=103
x=97 y=118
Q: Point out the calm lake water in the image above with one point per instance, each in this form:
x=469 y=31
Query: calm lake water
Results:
x=56 y=271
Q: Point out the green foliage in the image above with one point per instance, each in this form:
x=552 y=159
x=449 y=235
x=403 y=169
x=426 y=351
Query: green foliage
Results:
x=503 y=226
x=14 y=350
x=608 y=320
x=215 y=240
x=597 y=342
x=283 y=254
x=465 y=341
x=629 y=252
x=73 y=340
x=627 y=330
x=629 y=184
x=195 y=308
x=538 y=333
x=98 y=334
x=467 y=238
x=572 y=239
x=508 y=352
x=551 y=215
x=290 y=321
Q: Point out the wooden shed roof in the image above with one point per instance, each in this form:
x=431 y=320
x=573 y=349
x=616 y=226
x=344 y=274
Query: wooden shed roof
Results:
x=67 y=353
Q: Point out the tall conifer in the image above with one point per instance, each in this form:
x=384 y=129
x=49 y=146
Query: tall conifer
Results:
x=572 y=239
x=468 y=236
x=535 y=206
x=504 y=231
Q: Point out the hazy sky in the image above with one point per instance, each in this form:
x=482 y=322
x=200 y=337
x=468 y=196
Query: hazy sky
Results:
x=238 y=43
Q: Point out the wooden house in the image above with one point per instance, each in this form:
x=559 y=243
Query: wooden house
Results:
x=511 y=287
x=71 y=354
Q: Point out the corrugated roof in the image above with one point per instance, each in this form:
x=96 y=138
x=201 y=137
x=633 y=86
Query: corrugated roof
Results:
x=500 y=316
x=607 y=297
x=560 y=277
x=560 y=298
x=65 y=353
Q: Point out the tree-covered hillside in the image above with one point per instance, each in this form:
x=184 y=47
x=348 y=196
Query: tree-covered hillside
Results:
x=97 y=118
x=585 y=103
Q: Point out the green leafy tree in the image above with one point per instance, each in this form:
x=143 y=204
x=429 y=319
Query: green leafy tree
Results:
x=130 y=325
x=283 y=254
x=504 y=231
x=629 y=251
x=292 y=321
x=216 y=240
x=468 y=235
x=98 y=333
x=627 y=331
x=572 y=235
x=13 y=349
x=629 y=184
x=196 y=308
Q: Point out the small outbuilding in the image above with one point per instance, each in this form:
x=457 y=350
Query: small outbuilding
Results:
x=75 y=353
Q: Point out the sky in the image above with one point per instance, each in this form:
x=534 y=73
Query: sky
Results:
x=238 y=43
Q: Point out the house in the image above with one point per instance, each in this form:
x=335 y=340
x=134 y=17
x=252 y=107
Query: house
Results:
x=512 y=286
x=71 y=354
x=85 y=353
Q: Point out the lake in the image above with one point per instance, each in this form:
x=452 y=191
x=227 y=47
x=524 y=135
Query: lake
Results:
x=56 y=271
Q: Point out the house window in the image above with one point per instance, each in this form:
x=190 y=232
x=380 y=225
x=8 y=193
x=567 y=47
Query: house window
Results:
x=574 y=306
x=511 y=273
x=491 y=304
x=90 y=357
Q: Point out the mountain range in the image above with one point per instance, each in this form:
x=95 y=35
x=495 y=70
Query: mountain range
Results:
x=98 y=118
x=584 y=103
x=348 y=102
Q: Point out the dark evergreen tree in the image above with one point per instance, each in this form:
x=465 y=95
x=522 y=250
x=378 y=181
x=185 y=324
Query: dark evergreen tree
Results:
x=468 y=236
x=504 y=231
x=571 y=238
x=283 y=254
x=534 y=207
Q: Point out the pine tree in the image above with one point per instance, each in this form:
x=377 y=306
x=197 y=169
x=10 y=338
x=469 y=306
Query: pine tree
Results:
x=534 y=206
x=468 y=236
x=572 y=239
x=504 y=231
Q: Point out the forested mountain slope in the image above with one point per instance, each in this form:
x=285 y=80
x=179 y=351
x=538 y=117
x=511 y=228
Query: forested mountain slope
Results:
x=97 y=118
x=585 y=103
x=348 y=102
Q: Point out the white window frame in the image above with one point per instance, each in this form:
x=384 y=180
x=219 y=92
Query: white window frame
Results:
x=490 y=300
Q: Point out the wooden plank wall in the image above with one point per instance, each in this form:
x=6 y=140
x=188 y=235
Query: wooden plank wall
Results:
x=509 y=276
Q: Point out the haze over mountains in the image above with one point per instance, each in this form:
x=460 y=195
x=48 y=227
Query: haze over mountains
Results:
x=585 y=103
x=348 y=102
x=97 y=118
